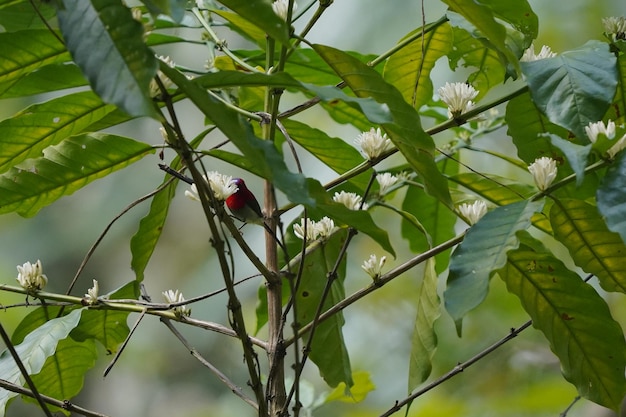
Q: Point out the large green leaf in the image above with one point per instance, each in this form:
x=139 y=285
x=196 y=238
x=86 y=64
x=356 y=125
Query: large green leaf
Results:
x=328 y=350
x=487 y=28
x=474 y=53
x=52 y=77
x=519 y=14
x=482 y=252
x=23 y=15
x=409 y=68
x=64 y=169
x=107 y=44
x=24 y=51
x=575 y=87
x=595 y=249
x=574 y=318
x=424 y=340
x=617 y=112
x=405 y=131
x=29 y=132
x=34 y=348
x=260 y=13
x=173 y=8
x=612 y=198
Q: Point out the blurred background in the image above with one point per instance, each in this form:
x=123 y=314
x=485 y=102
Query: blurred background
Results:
x=157 y=377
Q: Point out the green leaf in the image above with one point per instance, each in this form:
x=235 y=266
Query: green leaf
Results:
x=498 y=190
x=363 y=385
x=409 y=69
x=594 y=248
x=34 y=348
x=424 y=340
x=334 y=152
x=39 y=126
x=22 y=15
x=475 y=53
x=519 y=14
x=611 y=197
x=527 y=126
x=52 y=77
x=482 y=18
x=328 y=350
x=23 y=52
x=107 y=44
x=576 y=156
x=482 y=252
x=574 y=318
x=260 y=13
x=173 y=8
x=405 y=132
x=617 y=112
x=64 y=169
x=108 y=327
x=243 y=27
x=575 y=87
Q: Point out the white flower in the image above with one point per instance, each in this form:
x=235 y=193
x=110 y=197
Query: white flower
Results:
x=323 y=229
x=543 y=171
x=350 y=200
x=594 y=129
x=222 y=186
x=30 y=276
x=385 y=181
x=311 y=232
x=530 y=56
x=281 y=7
x=458 y=97
x=373 y=143
x=155 y=90
x=473 y=212
x=615 y=26
x=176 y=297
x=373 y=266
x=92 y=294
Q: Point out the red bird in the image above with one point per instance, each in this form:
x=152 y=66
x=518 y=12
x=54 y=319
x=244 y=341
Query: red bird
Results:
x=243 y=205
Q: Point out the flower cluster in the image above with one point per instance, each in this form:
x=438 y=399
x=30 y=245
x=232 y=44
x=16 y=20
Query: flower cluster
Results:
x=473 y=212
x=530 y=56
x=543 y=171
x=351 y=200
x=281 y=8
x=373 y=266
x=221 y=185
x=608 y=130
x=615 y=27
x=176 y=297
x=31 y=277
x=373 y=143
x=458 y=97
x=155 y=90
x=321 y=229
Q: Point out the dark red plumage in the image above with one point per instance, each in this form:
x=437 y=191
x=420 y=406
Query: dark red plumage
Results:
x=243 y=205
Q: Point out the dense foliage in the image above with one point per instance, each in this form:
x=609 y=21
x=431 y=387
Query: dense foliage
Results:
x=97 y=57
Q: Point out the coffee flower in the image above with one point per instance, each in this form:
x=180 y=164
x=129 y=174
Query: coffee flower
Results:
x=594 y=129
x=176 y=297
x=155 y=90
x=351 y=200
x=615 y=27
x=281 y=8
x=473 y=212
x=30 y=276
x=91 y=297
x=458 y=97
x=385 y=182
x=543 y=171
x=321 y=229
x=373 y=266
x=222 y=186
x=530 y=56
x=373 y=143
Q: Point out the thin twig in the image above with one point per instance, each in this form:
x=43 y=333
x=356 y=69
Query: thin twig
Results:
x=66 y=405
x=23 y=371
x=123 y=345
x=569 y=407
x=234 y=388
